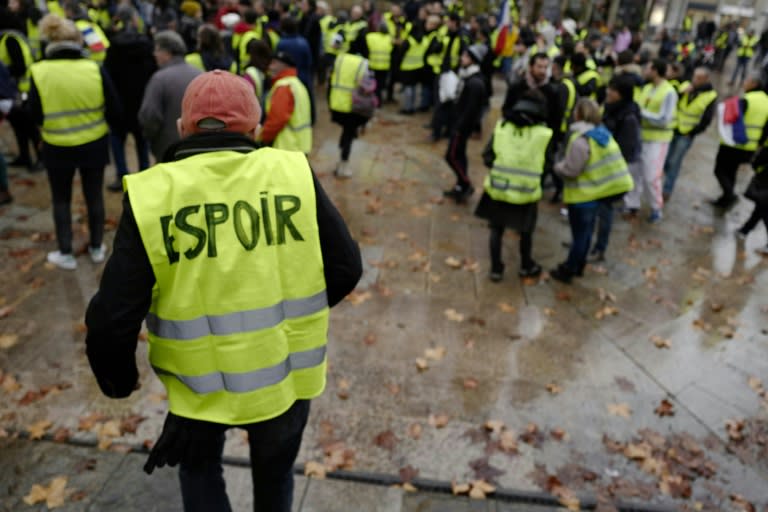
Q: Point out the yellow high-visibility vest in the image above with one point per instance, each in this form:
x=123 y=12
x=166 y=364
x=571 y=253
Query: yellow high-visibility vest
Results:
x=348 y=70
x=585 y=77
x=26 y=53
x=652 y=99
x=689 y=113
x=96 y=42
x=351 y=31
x=520 y=154
x=297 y=134
x=747 y=46
x=379 y=50
x=414 y=55
x=605 y=175
x=569 y=104
x=239 y=316
x=755 y=118
x=72 y=97
x=33 y=38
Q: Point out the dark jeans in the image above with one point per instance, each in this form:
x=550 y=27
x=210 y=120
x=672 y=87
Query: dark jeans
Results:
x=760 y=212
x=348 y=134
x=381 y=83
x=727 y=163
x=274 y=445
x=742 y=63
x=25 y=131
x=604 y=220
x=117 y=141
x=582 y=219
x=442 y=119
x=92 y=181
x=456 y=156
x=526 y=248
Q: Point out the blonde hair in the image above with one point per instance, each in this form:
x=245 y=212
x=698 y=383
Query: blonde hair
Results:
x=587 y=110
x=54 y=28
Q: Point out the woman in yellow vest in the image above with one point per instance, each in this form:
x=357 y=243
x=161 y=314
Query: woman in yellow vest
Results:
x=516 y=156
x=73 y=100
x=237 y=320
x=593 y=168
x=744 y=54
x=348 y=72
x=379 y=48
x=210 y=52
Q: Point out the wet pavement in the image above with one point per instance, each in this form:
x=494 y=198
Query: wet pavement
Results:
x=641 y=383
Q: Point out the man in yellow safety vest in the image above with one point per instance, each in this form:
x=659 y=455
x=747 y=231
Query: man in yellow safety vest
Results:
x=234 y=254
x=289 y=120
x=744 y=54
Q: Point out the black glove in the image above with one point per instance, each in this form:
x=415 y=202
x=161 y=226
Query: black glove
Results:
x=185 y=440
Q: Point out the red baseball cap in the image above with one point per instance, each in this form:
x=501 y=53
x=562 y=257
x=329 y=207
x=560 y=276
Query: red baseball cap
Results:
x=218 y=97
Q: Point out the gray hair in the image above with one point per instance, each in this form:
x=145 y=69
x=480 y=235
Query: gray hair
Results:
x=171 y=42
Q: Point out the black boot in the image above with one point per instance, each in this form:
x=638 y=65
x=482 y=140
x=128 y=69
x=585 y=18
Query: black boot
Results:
x=562 y=274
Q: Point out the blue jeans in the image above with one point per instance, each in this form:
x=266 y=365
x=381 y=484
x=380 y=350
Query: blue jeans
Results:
x=274 y=445
x=118 y=151
x=582 y=219
x=741 y=64
x=604 y=220
x=677 y=149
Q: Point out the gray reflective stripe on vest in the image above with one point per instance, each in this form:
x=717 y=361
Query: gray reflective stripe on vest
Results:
x=337 y=78
x=236 y=323
x=253 y=380
x=597 y=182
x=300 y=127
x=516 y=171
x=753 y=127
x=604 y=161
x=66 y=113
x=656 y=128
x=74 y=129
x=507 y=186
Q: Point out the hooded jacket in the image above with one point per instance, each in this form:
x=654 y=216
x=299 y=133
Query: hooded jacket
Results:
x=577 y=154
x=623 y=121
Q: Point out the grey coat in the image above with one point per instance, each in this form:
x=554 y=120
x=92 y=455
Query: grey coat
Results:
x=161 y=106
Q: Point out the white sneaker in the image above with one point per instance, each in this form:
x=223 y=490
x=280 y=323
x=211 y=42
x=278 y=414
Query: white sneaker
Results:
x=762 y=250
x=99 y=254
x=343 y=170
x=65 y=261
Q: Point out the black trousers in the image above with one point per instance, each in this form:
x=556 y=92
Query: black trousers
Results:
x=25 y=131
x=760 y=212
x=727 y=163
x=92 y=181
x=526 y=248
x=456 y=156
x=381 y=83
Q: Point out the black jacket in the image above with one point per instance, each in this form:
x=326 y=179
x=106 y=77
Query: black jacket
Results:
x=130 y=65
x=469 y=106
x=115 y=313
x=552 y=91
x=623 y=120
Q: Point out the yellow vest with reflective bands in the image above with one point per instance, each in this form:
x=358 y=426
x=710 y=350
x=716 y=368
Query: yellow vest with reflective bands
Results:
x=351 y=30
x=328 y=33
x=414 y=55
x=297 y=134
x=73 y=108
x=747 y=46
x=240 y=44
x=520 y=153
x=689 y=113
x=605 y=175
x=569 y=104
x=347 y=72
x=584 y=78
x=399 y=29
x=652 y=99
x=379 y=50
x=26 y=53
x=435 y=59
x=33 y=38
x=95 y=40
x=196 y=60
x=239 y=316
x=755 y=119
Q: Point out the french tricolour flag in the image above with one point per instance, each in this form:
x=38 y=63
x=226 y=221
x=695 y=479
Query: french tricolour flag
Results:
x=504 y=25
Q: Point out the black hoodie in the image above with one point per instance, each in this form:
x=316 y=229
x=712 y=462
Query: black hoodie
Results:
x=623 y=120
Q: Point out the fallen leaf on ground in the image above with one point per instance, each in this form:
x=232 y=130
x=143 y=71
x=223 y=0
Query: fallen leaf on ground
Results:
x=436 y=353
x=453 y=315
x=37 y=429
x=665 y=408
x=452 y=262
x=554 y=388
x=605 y=296
x=606 y=311
x=343 y=388
x=357 y=298
x=470 y=383
x=314 y=469
x=409 y=487
x=408 y=473
x=52 y=494
x=414 y=430
x=421 y=364
x=370 y=339
x=480 y=488
x=6 y=311
x=563 y=296
x=9 y=383
x=393 y=388
x=558 y=434
x=735 y=429
x=494 y=425
x=438 y=420
x=661 y=342
x=508 y=442
x=621 y=409
x=129 y=424
x=742 y=503
x=716 y=307
x=8 y=340
x=756 y=384
x=507 y=308
x=638 y=451
x=549 y=311
x=89 y=421
x=386 y=440
x=458 y=489
x=61 y=435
